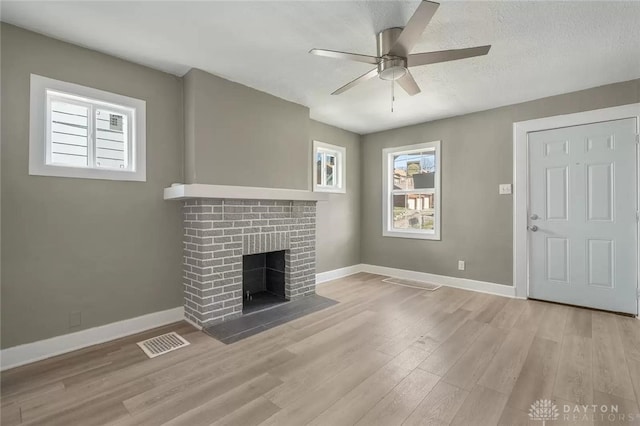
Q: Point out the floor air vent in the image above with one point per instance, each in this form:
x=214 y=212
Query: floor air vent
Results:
x=162 y=344
x=412 y=283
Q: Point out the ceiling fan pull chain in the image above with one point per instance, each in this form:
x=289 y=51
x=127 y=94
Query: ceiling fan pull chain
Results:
x=393 y=97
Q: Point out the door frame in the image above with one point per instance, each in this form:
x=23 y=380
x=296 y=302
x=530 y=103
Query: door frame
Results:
x=521 y=182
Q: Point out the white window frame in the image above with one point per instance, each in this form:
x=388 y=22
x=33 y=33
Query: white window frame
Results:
x=43 y=90
x=340 y=171
x=388 y=192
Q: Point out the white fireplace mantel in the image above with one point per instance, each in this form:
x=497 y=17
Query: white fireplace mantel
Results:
x=197 y=190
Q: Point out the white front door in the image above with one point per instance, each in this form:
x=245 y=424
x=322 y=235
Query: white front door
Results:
x=582 y=215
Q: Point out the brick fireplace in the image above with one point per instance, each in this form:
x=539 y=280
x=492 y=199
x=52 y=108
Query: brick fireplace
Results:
x=219 y=232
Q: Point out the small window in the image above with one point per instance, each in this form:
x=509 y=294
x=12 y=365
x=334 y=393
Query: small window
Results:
x=82 y=132
x=328 y=167
x=412 y=191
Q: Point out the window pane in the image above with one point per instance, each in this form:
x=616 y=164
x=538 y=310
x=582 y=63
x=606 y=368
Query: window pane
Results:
x=69 y=134
x=413 y=211
x=319 y=168
x=414 y=171
x=111 y=139
x=331 y=167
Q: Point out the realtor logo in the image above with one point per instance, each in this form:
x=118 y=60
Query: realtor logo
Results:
x=543 y=409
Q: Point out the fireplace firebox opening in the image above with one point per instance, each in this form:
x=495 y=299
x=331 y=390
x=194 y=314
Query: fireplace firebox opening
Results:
x=263 y=281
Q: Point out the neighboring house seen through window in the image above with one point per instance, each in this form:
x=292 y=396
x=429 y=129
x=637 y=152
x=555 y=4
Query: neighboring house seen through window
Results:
x=82 y=132
x=412 y=191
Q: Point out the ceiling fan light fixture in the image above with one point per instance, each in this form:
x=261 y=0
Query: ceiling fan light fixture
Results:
x=392 y=69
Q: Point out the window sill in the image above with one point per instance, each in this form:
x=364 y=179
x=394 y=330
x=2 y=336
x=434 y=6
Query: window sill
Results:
x=411 y=235
x=85 y=173
x=330 y=190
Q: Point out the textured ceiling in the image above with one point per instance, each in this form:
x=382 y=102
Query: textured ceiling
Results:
x=539 y=49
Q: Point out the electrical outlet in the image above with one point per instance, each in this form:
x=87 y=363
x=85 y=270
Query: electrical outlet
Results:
x=461 y=265
x=504 y=189
x=75 y=319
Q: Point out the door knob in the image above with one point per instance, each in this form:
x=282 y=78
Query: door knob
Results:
x=534 y=217
x=532 y=228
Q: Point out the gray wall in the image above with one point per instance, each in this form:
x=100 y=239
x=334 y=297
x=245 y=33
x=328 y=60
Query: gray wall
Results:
x=236 y=135
x=338 y=223
x=111 y=250
x=476 y=157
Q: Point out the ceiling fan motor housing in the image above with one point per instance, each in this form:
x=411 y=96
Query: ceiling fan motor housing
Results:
x=386 y=39
x=390 y=67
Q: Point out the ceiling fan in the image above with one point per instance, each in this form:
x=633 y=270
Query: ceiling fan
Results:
x=393 y=59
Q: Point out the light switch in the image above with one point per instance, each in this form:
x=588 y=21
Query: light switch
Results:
x=504 y=188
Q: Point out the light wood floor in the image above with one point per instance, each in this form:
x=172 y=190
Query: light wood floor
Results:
x=385 y=355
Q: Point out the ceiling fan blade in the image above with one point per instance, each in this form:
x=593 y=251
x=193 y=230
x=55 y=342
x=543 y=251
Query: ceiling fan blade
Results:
x=409 y=84
x=446 y=55
x=345 y=55
x=363 y=77
x=414 y=28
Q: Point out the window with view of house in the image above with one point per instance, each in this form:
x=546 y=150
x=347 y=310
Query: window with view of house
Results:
x=77 y=131
x=328 y=167
x=412 y=191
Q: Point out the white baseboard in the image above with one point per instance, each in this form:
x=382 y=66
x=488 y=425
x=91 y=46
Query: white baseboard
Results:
x=463 y=283
x=36 y=351
x=323 y=277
